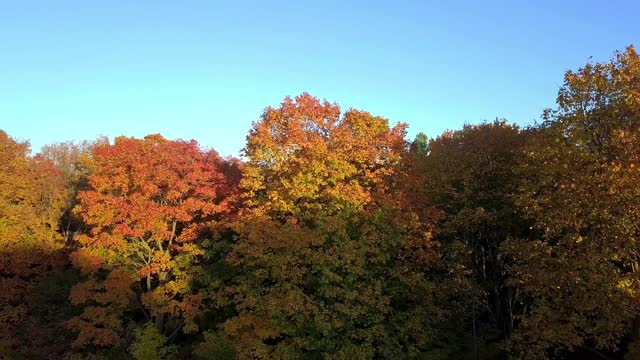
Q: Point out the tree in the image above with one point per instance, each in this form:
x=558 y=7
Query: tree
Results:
x=468 y=175
x=149 y=204
x=31 y=204
x=75 y=163
x=151 y=345
x=580 y=187
x=323 y=246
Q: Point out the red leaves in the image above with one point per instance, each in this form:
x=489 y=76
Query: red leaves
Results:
x=142 y=186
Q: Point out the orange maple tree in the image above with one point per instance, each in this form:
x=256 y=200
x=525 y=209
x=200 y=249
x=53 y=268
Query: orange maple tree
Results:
x=150 y=202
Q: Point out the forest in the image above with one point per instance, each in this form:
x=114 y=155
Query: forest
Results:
x=334 y=237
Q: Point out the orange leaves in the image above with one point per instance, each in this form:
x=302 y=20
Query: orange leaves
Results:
x=100 y=322
x=141 y=187
x=160 y=262
x=304 y=153
x=86 y=260
x=190 y=308
x=117 y=288
x=114 y=290
x=82 y=292
x=321 y=236
x=151 y=189
x=100 y=326
x=147 y=204
x=31 y=204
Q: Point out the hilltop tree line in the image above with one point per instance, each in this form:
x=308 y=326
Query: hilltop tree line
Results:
x=334 y=238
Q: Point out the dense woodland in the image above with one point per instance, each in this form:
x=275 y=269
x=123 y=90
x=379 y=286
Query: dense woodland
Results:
x=334 y=238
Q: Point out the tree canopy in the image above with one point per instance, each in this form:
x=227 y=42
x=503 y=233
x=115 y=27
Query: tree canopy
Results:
x=334 y=237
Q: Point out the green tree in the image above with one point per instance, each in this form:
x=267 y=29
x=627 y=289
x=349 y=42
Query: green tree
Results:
x=468 y=175
x=150 y=344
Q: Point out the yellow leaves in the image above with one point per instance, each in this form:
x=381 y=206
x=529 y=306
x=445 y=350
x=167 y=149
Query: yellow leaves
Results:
x=159 y=301
x=248 y=333
x=32 y=201
x=161 y=261
x=191 y=249
x=262 y=235
x=583 y=276
x=615 y=167
x=627 y=285
x=312 y=182
x=150 y=344
x=303 y=154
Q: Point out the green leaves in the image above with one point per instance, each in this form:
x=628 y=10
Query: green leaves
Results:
x=149 y=344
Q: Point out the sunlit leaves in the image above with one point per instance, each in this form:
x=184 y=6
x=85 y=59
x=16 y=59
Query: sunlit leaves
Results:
x=321 y=239
x=31 y=204
x=149 y=202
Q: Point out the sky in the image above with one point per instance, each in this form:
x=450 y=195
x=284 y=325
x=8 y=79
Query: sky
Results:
x=205 y=70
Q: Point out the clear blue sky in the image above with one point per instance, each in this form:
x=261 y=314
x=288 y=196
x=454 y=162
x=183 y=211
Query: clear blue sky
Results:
x=70 y=70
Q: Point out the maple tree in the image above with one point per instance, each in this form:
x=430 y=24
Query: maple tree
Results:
x=148 y=203
x=320 y=239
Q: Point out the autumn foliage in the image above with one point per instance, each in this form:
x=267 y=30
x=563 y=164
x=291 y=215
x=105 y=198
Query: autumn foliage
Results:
x=31 y=204
x=335 y=238
x=320 y=238
x=148 y=205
